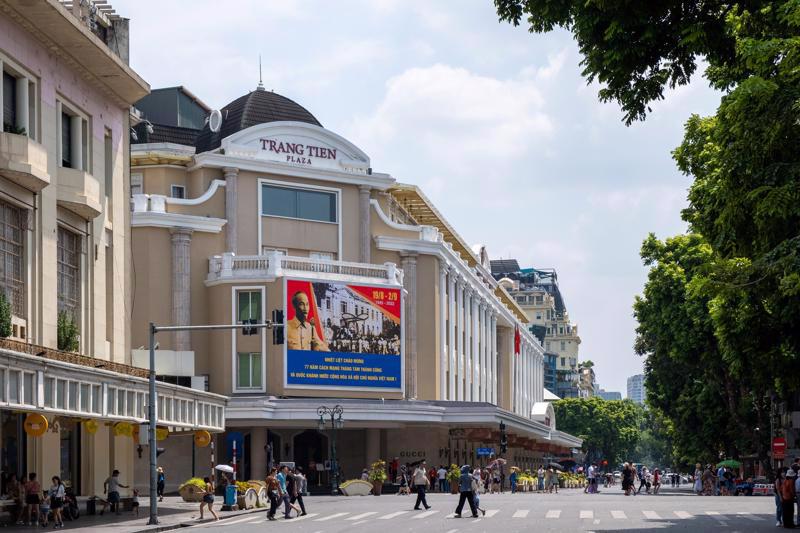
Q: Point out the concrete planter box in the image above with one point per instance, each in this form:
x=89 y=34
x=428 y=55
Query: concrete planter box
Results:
x=190 y=493
x=356 y=487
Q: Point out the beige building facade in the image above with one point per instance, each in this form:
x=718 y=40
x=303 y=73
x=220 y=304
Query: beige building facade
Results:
x=67 y=93
x=267 y=215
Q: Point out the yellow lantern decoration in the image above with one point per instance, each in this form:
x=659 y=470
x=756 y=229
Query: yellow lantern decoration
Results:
x=35 y=425
x=122 y=429
x=202 y=438
x=90 y=426
x=162 y=433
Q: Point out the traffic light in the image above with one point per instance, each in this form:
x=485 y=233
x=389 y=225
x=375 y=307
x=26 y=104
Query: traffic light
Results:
x=503 y=438
x=277 y=326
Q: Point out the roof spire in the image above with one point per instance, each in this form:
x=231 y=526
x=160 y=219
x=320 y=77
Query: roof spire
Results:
x=260 y=80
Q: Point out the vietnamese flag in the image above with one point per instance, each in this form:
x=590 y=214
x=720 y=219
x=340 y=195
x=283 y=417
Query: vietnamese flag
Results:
x=517 y=340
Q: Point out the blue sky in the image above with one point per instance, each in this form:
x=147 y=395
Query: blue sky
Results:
x=495 y=124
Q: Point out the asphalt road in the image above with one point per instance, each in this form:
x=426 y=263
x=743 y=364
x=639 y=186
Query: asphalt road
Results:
x=570 y=510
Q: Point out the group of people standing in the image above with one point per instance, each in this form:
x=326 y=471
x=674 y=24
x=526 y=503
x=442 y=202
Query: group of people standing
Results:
x=708 y=482
x=35 y=505
x=648 y=480
x=787 y=495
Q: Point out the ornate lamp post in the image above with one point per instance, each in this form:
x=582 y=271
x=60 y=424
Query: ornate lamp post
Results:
x=335 y=414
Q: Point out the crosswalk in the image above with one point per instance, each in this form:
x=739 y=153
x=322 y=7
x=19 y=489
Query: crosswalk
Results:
x=517 y=514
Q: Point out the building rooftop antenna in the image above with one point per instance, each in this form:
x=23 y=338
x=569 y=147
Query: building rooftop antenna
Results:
x=260 y=80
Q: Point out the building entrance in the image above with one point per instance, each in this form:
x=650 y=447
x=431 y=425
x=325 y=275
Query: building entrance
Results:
x=310 y=450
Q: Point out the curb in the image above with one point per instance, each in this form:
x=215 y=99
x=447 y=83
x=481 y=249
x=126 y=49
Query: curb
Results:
x=190 y=523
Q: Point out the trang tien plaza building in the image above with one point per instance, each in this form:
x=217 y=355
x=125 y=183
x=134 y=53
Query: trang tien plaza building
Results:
x=257 y=212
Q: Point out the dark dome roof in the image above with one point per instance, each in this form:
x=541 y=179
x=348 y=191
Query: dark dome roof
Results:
x=257 y=107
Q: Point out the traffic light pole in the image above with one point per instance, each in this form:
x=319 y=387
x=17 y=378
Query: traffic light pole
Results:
x=151 y=411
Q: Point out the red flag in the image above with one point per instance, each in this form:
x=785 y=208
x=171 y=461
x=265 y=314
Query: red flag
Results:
x=517 y=340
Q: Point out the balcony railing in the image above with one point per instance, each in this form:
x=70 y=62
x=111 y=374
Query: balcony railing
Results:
x=273 y=265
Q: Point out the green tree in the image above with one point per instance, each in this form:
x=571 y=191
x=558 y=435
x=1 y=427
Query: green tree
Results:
x=67 y=332
x=5 y=316
x=609 y=429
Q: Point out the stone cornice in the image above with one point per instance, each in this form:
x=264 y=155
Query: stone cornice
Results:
x=175 y=220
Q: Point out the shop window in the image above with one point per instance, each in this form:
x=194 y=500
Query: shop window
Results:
x=13 y=222
x=298 y=203
x=120 y=403
x=73 y=396
x=13 y=386
x=249 y=305
x=69 y=281
x=96 y=397
x=28 y=388
x=248 y=375
x=61 y=394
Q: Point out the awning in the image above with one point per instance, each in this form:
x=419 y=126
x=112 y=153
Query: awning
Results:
x=46 y=384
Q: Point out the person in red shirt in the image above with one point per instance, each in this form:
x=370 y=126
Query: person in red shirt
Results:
x=788 y=495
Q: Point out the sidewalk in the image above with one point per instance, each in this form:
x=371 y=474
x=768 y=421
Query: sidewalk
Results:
x=173 y=513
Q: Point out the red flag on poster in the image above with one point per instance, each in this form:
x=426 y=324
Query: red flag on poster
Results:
x=517 y=340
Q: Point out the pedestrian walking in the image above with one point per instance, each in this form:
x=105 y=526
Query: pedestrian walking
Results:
x=421 y=483
x=294 y=484
x=432 y=479
x=57 y=493
x=476 y=495
x=553 y=480
x=540 y=479
x=111 y=486
x=698 y=479
x=642 y=479
x=282 y=478
x=273 y=493
x=465 y=493
x=442 y=475
x=161 y=482
x=656 y=480
x=208 y=499
x=788 y=496
x=777 y=485
x=627 y=479
x=513 y=480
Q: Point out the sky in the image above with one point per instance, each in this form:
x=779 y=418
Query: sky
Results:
x=495 y=124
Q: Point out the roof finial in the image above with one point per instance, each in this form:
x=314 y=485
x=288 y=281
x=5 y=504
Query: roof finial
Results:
x=260 y=80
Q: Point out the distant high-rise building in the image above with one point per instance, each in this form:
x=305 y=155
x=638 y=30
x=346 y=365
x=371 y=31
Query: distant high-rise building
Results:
x=609 y=395
x=636 y=390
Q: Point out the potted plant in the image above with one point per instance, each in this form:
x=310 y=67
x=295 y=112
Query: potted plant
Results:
x=377 y=475
x=246 y=496
x=193 y=490
x=453 y=477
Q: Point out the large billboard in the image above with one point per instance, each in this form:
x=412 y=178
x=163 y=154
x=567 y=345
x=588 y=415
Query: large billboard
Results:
x=343 y=336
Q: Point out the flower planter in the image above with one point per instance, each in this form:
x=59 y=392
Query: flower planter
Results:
x=248 y=500
x=377 y=488
x=262 y=500
x=356 y=487
x=191 y=493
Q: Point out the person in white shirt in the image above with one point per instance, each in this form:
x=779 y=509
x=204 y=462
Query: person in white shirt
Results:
x=591 y=476
x=420 y=480
x=441 y=474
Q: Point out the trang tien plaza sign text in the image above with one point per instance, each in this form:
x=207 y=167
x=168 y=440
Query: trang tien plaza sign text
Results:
x=298 y=152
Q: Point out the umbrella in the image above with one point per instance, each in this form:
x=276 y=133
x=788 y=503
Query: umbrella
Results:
x=224 y=468
x=496 y=463
x=557 y=466
x=730 y=463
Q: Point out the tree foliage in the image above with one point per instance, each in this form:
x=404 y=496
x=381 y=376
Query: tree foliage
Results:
x=5 y=316
x=720 y=317
x=67 y=331
x=609 y=429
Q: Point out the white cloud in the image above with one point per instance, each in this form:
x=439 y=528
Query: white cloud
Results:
x=457 y=115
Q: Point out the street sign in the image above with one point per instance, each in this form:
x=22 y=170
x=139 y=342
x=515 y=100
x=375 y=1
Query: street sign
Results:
x=484 y=452
x=778 y=448
x=238 y=438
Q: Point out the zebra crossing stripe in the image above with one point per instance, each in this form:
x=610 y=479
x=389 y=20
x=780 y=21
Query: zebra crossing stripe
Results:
x=391 y=515
x=331 y=517
x=587 y=514
x=522 y=513
x=491 y=512
x=683 y=515
x=747 y=515
x=426 y=514
x=651 y=515
x=309 y=515
x=553 y=514
x=619 y=515
x=362 y=515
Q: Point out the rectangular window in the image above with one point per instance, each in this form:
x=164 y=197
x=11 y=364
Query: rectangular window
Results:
x=9 y=102
x=108 y=155
x=563 y=361
x=49 y=383
x=248 y=375
x=121 y=402
x=73 y=396
x=66 y=140
x=298 y=203
x=563 y=345
x=13 y=386
x=61 y=394
x=96 y=398
x=85 y=397
x=69 y=282
x=2 y=385
x=75 y=142
x=249 y=306
x=28 y=388
x=178 y=191
x=137 y=184
x=547 y=345
x=321 y=256
x=13 y=222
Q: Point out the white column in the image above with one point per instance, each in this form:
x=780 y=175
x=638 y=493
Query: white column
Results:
x=460 y=340
x=442 y=331
x=181 y=286
x=493 y=356
x=486 y=368
x=525 y=367
x=231 y=175
x=481 y=346
x=409 y=264
x=476 y=356
x=468 y=363
x=451 y=332
x=364 y=233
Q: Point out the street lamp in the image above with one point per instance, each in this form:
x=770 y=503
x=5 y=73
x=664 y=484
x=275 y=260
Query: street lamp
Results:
x=335 y=414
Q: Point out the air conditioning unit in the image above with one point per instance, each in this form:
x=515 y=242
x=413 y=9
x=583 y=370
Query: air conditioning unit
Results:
x=200 y=383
